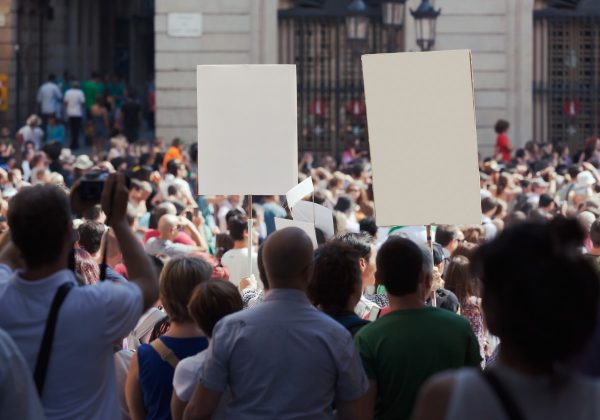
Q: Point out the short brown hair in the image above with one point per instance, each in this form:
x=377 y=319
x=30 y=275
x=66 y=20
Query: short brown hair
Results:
x=211 y=301
x=177 y=282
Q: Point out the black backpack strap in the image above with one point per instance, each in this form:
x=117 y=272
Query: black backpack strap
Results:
x=508 y=403
x=41 y=364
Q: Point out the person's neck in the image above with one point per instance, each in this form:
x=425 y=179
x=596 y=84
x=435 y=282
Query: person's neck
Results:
x=240 y=244
x=351 y=305
x=166 y=238
x=38 y=273
x=183 y=330
x=287 y=285
x=513 y=360
x=410 y=301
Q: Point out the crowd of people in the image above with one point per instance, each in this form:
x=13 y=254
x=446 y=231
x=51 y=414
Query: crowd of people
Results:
x=145 y=300
x=97 y=109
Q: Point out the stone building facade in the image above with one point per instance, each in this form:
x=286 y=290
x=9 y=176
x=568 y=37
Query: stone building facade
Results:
x=81 y=36
x=499 y=32
x=233 y=32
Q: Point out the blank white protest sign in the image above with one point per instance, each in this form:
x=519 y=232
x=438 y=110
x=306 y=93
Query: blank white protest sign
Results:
x=421 y=119
x=308 y=228
x=247 y=129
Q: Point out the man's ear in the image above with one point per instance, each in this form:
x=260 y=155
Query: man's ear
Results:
x=307 y=273
x=362 y=264
x=378 y=280
x=426 y=280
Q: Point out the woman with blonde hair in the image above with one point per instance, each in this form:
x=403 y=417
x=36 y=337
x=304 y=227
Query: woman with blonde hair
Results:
x=150 y=378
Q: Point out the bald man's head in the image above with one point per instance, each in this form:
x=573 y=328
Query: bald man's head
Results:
x=287 y=257
x=167 y=227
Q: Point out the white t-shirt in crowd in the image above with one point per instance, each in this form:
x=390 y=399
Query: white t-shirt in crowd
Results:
x=74 y=99
x=236 y=262
x=224 y=208
x=180 y=183
x=185 y=380
x=538 y=398
x=34 y=135
x=490 y=228
x=18 y=396
x=80 y=381
x=48 y=97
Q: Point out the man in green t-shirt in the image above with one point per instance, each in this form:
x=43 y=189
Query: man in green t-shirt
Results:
x=91 y=89
x=401 y=350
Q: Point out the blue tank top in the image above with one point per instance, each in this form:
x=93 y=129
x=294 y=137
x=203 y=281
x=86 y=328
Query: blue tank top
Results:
x=156 y=376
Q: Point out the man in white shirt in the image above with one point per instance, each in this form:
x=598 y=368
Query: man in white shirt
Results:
x=488 y=209
x=31 y=132
x=48 y=98
x=232 y=202
x=80 y=378
x=175 y=175
x=236 y=259
x=74 y=100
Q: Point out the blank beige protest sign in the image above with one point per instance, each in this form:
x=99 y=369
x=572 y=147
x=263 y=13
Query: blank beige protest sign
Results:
x=422 y=136
x=247 y=129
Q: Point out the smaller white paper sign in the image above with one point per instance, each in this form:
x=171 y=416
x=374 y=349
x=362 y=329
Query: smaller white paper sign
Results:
x=308 y=228
x=321 y=216
x=300 y=191
x=184 y=25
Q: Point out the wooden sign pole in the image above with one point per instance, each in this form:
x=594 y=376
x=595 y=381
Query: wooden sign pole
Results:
x=430 y=246
x=250 y=234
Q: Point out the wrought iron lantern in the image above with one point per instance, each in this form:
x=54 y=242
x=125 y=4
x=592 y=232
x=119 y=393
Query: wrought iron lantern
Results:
x=392 y=13
x=425 y=19
x=357 y=23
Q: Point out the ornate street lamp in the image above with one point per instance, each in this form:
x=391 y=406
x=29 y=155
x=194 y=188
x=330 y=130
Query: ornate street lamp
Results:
x=425 y=18
x=357 y=23
x=392 y=13
x=392 y=17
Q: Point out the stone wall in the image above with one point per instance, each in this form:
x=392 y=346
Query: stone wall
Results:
x=233 y=32
x=7 y=35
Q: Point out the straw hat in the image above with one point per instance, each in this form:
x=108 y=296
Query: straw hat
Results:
x=34 y=120
x=83 y=162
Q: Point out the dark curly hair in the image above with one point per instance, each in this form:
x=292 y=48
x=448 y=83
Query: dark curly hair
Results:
x=336 y=277
x=501 y=126
x=540 y=295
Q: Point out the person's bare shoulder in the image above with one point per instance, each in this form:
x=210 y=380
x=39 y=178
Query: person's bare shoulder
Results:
x=434 y=397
